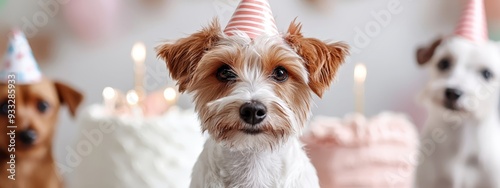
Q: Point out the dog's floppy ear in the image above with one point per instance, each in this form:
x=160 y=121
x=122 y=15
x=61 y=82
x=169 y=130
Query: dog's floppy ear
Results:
x=321 y=59
x=69 y=96
x=424 y=54
x=183 y=56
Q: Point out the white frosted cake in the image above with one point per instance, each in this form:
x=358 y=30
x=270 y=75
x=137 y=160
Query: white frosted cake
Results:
x=137 y=152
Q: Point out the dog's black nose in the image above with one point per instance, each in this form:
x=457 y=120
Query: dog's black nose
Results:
x=253 y=112
x=27 y=136
x=452 y=95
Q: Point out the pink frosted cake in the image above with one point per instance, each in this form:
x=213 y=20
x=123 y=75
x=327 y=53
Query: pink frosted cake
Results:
x=355 y=152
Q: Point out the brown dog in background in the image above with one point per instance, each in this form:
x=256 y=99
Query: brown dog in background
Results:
x=36 y=114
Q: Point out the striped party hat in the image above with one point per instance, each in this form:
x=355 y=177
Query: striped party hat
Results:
x=19 y=60
x=472 y=25
x=252 y=17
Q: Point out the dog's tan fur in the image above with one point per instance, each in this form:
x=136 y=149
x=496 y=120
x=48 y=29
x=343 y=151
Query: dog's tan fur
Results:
x=271 y=156
x=193 y=68
x=35 y=166
x=322 y=60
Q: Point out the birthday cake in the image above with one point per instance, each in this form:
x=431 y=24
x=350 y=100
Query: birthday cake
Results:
x=358 y=152
x=137 y=152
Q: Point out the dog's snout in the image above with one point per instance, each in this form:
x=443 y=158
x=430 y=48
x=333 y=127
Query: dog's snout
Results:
x=253 y=112
x=452 y=94
x=28 y=136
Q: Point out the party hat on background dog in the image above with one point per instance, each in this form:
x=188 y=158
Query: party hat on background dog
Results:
x=19 y=60
x=252 y=17
x=472 y=25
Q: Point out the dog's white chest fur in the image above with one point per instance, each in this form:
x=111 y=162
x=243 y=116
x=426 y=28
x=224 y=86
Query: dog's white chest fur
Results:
x=285 y=167
x=249 y=169
x=463 y=155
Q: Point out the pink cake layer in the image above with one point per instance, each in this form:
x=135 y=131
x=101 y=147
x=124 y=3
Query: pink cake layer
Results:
x=356 y=152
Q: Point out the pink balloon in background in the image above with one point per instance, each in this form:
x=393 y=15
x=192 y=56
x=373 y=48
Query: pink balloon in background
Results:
x=92 y=19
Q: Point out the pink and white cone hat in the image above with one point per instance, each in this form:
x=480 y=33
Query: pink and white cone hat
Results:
x=254 y=18
x=472 y=25
x=19 y=60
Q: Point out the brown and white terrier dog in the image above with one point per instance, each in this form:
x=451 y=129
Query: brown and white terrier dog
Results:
x=26 y=151
x=253 y=97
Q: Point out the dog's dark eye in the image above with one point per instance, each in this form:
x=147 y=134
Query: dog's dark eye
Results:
x=280 y=74
x=226 y=74
x=444 y=64
x=42 y=106
x=487 y=75
x=4 y=108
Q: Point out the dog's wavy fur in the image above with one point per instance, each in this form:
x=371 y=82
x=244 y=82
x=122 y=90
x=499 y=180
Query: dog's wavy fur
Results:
x=273 y=157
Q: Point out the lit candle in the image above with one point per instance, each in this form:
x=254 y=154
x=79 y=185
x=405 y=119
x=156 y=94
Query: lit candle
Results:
x=170 y=95
x=109 y=95
x=139 y=55
x=132 y=98
x=359 y=87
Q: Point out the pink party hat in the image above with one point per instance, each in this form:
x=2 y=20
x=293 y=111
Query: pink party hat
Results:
x=252 y=17
x=472 y=25
x=19 y=61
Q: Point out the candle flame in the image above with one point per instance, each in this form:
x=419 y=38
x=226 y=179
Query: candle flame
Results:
x=108 y=93
x=139 y=52
x=169 y=94
x=132 y=97
x=360 y=73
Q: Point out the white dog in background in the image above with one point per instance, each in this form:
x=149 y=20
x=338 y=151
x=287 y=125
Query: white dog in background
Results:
x=460 y=143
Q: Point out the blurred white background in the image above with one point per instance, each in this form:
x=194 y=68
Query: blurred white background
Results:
x=392 y=83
